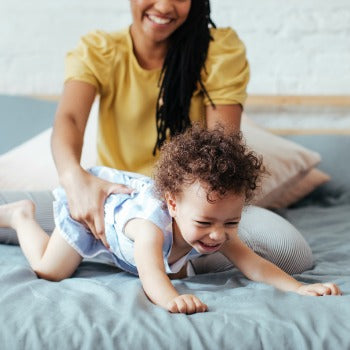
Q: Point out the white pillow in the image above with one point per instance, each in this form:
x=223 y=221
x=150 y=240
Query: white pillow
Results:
x=291 y=166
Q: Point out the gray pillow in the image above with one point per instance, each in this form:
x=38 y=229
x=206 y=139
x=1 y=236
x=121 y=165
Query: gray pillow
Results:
x=335 y=153
x=22 y=118
x=44 y=212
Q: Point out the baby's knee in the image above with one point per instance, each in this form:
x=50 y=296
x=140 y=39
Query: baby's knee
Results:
x=52 y=275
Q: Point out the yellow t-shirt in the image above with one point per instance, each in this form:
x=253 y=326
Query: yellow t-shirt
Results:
x=128 y=93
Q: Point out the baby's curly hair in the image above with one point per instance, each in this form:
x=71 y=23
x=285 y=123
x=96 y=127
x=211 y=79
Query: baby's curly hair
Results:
x=221 y=162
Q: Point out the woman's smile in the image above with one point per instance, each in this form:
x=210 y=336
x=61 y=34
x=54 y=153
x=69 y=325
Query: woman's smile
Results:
x=160 y=20
x=156 y=20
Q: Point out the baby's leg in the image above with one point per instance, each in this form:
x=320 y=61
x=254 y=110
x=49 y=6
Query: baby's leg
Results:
x=43 y=211
x=59 y=261
x=52 y=257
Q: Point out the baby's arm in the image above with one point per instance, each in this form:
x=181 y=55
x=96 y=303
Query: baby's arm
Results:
x=148 y=241
x=258 y=269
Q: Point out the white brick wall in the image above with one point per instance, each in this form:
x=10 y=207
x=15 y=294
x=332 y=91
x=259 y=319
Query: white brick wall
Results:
x=294 y=46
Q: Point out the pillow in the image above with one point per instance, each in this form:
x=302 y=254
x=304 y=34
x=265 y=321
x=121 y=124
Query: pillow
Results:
x=334 y=150
x=30 y=165
x=293 y=190
x=34 y=115
x=291 y=167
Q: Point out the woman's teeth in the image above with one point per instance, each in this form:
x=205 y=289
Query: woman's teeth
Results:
x=159 y=20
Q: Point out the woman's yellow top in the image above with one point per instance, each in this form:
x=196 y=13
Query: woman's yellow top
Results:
x=128 y=93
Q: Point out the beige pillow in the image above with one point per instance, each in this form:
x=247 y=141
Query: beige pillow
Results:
x=30 y=165
x=294 y=190
x=291 y=167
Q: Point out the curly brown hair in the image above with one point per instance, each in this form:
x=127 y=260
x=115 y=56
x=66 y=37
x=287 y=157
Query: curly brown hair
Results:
x=221 y=162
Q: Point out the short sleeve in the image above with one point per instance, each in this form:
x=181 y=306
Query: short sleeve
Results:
x=143 y=205
x=227 y=70
x=91 y=61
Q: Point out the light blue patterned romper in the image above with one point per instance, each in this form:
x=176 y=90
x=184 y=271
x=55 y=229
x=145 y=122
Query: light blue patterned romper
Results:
x=119 y=209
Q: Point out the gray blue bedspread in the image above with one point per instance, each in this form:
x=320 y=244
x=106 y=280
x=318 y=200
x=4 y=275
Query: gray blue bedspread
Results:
x=103 y=308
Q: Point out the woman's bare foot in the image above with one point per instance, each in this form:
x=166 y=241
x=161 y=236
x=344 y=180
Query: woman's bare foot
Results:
x=11 y=213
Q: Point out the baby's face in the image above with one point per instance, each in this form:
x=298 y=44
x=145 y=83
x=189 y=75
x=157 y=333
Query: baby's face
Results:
x=204 y=225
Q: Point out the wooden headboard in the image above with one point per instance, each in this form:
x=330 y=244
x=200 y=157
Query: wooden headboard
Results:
x=269 y=110
x=301 y=114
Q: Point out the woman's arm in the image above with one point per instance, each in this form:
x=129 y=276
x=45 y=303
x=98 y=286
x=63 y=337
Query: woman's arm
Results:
x=228 y=116
x=85 y=192
x=69 y=126
x=148 y=240
x=258 y=269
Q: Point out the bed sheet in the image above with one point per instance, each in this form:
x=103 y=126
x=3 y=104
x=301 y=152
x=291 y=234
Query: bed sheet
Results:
x=102 y=307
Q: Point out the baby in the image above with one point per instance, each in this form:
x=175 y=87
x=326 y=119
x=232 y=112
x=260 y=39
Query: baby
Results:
x=202 y=182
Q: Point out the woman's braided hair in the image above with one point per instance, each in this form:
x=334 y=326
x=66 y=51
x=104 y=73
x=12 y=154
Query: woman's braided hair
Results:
x=181 y=72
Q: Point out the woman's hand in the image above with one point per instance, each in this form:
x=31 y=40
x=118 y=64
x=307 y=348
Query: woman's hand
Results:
x=319 y=289
x=86 y=195
x=186 y=304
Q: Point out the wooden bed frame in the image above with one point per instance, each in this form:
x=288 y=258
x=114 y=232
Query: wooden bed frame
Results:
x=276 y=103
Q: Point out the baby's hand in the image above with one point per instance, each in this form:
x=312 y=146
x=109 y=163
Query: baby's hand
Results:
x=186 y=304
x=319 y=289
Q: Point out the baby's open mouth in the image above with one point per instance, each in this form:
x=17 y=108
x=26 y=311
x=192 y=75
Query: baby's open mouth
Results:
x=209 y=246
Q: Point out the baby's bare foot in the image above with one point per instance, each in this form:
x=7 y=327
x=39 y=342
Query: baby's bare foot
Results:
x=12 y=212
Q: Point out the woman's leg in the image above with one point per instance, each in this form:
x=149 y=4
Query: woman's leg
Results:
x=52 y=257
x=44 y=212
x=270 y=236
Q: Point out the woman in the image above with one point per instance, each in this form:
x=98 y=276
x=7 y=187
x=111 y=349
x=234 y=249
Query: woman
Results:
x=155 y=78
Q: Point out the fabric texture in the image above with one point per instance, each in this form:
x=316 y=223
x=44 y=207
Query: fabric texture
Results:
x=101 y=307
x=291 y=167
x=119 y=209
x=127 y=133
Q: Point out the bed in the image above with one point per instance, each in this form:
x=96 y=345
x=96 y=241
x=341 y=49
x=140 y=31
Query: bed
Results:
x=102 y=307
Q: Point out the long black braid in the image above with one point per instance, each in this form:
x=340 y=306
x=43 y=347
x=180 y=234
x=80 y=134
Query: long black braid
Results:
x=181 y=70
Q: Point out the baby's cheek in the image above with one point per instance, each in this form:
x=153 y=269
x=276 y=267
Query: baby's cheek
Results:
x=196 y=235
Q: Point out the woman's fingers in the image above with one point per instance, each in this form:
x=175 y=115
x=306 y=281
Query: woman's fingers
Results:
x=99 y=225
x=118 y=188
x=87 y=204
